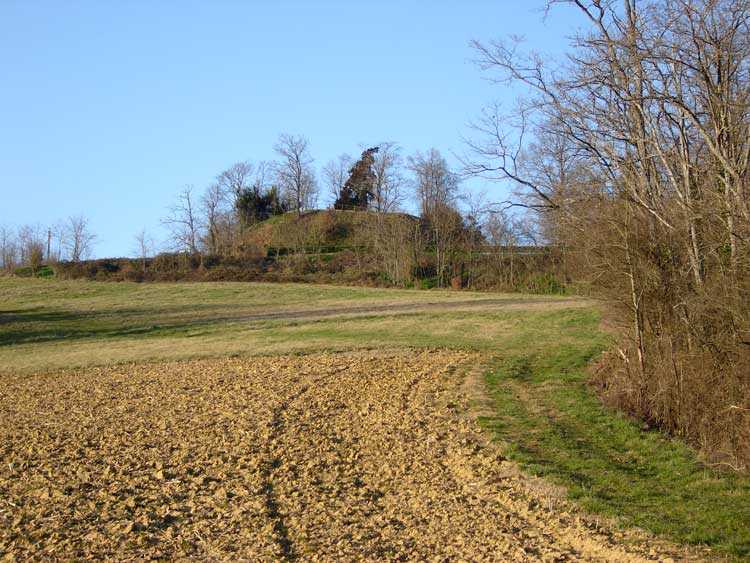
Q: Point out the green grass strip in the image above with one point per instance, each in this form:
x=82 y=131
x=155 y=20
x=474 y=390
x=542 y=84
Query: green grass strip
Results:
x=551 y=422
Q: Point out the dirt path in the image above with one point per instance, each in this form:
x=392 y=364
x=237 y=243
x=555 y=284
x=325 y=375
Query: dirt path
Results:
x=493 y=303
x=357 y=457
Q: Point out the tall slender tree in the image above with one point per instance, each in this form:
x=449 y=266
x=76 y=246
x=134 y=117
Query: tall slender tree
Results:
x=294 y=173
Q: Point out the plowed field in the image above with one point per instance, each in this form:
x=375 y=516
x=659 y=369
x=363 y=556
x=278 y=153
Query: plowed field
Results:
x=348 y=457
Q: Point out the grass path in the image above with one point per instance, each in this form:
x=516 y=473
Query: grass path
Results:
x=547 y=417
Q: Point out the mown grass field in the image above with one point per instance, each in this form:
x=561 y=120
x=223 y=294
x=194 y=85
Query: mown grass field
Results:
x=47 y=324
x=536 y=350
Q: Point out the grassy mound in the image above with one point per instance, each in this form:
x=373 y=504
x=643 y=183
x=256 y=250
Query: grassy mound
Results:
x=317 y=232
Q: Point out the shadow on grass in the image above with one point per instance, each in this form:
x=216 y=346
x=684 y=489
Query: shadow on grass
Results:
x=40 y=325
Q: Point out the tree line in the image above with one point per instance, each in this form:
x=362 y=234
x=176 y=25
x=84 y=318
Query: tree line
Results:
x=32 y=245
x=451 y=225
x=247 y=192
x=638 y=167
x=453 y=239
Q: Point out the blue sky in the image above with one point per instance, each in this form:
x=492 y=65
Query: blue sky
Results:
x=108 y=108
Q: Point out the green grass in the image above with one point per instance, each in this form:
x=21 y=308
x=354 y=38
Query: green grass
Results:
x=538 y=349
x=47 y=324
x=549 y=420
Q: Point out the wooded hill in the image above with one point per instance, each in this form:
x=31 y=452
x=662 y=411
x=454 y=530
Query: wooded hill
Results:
x=348 y=247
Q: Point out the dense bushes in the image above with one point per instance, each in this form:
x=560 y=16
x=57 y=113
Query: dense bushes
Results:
x=533 y=273
x=685 y=365
x=347 y=247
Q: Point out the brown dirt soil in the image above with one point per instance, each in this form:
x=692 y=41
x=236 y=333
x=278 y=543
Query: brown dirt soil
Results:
x=349 y=457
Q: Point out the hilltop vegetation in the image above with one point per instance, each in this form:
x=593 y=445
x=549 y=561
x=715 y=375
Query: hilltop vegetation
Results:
x=349 y=248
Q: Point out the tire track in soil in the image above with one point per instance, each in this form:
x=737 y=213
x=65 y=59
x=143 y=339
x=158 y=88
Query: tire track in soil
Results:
x=273 y=461
x=275 y=455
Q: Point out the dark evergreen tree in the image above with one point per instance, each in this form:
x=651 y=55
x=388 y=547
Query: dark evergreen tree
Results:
x=254 y=204
x=358 y=190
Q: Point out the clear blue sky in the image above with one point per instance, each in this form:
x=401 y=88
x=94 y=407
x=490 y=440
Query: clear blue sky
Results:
x=107 y=108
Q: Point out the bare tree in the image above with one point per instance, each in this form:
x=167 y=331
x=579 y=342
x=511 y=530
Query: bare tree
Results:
x=436 y=188
x=263 y=175
x=31 y=242
x=504 y=233
x=77 y=238
x=294 y=172
x=183 y=222
x=58 y=237
x=335 y=174
x=390 y=235
x=392 y=242
x=386 y=191
x=8 y=249
x=232 y=181
x=433 y=182
x=144 y=247
x=215 y=205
